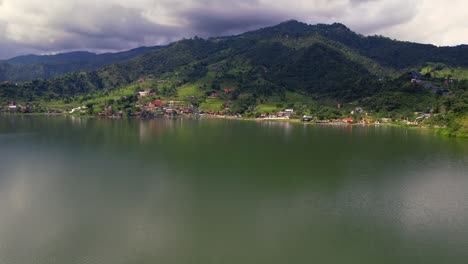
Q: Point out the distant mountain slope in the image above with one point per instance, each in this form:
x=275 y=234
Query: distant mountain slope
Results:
x=61 y=57
x=30 y=67
x=318 y=60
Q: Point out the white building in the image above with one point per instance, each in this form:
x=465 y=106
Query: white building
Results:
x=288 y=112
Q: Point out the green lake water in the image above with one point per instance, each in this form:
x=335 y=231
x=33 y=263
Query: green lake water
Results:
x=86 y=191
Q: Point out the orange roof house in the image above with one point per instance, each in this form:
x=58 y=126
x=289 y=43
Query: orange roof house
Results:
x=159 y=103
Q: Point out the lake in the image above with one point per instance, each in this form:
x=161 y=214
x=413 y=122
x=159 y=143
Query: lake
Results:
x=217 y=191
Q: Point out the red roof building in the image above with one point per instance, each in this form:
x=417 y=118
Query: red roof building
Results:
x=159 y=103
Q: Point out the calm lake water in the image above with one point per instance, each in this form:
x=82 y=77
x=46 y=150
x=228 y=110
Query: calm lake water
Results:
x=214 y=191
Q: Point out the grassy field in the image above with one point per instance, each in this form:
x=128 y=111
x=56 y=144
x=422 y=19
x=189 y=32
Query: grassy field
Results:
x=212 y=105
x=274 y=104
x=187 y=91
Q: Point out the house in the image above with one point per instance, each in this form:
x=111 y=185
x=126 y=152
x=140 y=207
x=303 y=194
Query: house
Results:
x=141 y=80
x=77 y=109
x=229 y=90
x=214 y=95
x=187 y=111
x=158 y=103
x=281 y=114
x=12 y=106
x=348 y=120
x=365 y=121
x=288 y=112
x=307 y=118
x=144 y=93
x=385 y=120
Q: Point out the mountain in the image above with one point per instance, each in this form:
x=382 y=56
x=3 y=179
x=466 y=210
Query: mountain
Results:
x=61 y=57
x=380 y=55
x=30 y=67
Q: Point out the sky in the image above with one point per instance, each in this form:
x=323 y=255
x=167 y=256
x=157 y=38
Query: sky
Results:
x=52 y=26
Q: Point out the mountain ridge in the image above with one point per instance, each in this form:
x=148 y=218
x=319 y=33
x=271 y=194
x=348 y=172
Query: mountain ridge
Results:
x=30 y=67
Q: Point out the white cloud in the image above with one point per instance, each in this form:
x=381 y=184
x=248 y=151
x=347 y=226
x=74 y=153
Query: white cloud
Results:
x=53 y=25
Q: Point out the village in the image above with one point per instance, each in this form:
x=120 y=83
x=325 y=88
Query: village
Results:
x=172 y=108
x=148 y=104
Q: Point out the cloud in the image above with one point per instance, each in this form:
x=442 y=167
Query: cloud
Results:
x=109 y=25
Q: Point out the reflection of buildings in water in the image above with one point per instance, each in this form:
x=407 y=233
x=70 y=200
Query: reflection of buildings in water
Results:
x=143 y=131
x=154 y=128
x=286 y=126
x=78 y=121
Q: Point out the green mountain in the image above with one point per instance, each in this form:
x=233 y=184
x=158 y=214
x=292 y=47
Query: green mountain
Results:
x=383 y=50
x=30 y=67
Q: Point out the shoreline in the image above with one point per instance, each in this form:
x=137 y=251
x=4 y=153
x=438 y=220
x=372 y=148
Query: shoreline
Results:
x=443 y=131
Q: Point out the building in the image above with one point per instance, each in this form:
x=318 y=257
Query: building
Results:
x=214 y=95
x=144 y=93
x=229 y=90
x=12 y=106
x=158 y=103
x=288 y=112
x=348 y=120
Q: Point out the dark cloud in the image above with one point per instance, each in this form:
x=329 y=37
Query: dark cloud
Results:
x=109 y=25
x=218 y=22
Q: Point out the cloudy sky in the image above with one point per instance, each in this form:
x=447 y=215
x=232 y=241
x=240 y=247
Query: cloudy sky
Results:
x=50 y=26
